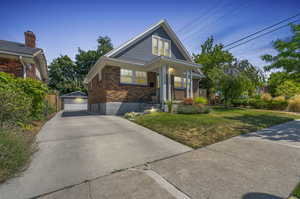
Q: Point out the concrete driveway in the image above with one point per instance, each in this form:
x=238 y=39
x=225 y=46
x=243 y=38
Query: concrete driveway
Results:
x=74 y=148
x=260 y=165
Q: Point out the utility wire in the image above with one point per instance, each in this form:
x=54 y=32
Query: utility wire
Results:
x=263 y=34
x=262 y=30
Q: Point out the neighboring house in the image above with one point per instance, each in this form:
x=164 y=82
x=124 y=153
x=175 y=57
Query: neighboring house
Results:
x=23 y=60
x=74 y=101
x=151 y=68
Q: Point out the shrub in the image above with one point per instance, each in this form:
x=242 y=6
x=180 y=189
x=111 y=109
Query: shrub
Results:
x=200 y=100
x=279 y=98
x=294 y=104
x=170 y=106
x=277 y=105
x=15 y=106
x=240 y=102
x=131 y=115
x=192 y=109
x=266 y=97
x=188 y=101
x=258 y=103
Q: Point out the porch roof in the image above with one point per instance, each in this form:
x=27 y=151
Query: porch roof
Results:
x=152 y=65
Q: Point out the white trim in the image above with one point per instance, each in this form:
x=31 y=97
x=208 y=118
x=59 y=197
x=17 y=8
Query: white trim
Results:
x=163 y=46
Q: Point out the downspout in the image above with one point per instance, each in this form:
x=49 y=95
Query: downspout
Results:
x=24 y=66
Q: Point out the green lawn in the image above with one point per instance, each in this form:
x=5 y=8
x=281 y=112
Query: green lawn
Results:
x=296 y=191
x=197 y=130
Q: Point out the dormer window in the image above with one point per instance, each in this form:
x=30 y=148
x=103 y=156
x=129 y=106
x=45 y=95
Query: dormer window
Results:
x=160 y=46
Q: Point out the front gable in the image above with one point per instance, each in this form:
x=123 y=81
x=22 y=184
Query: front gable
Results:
x=139 y=49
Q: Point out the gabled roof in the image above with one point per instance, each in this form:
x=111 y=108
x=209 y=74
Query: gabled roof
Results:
x=164 y=24
x=17 y=48
x=74 y=94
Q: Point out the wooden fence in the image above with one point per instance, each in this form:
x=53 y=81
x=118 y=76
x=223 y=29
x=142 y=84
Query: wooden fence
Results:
x=55 y=101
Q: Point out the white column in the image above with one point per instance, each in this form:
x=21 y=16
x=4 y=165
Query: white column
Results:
x=191 y=84
x=164 y=82
x=169 y=84
x=187 y=84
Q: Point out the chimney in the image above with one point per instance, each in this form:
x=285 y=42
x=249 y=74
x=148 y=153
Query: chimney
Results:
x=29 y=39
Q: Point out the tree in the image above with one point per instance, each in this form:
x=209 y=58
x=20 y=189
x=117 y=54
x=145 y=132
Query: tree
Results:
x=63 y=75
x=211 y=57
x=230 y=82
x=288 y=56
x=86 y=59
x=288 y=88
x=275 y=80
x=67 y=76
x=255 y=75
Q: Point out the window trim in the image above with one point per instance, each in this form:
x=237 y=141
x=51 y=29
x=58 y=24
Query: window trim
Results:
x=133 y=77
x=163 y=45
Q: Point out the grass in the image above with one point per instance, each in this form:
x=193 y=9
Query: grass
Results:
x=296 y=191
x=197 y=130
x=16 y=148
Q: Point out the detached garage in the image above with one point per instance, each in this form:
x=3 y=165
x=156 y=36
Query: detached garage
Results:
x=75 y=101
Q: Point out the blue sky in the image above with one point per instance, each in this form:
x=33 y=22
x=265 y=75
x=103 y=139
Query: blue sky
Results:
x=63 y=26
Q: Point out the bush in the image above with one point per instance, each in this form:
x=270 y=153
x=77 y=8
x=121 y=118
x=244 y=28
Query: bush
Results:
x=258 y=103
x=131 y=115
x=294 y=104
x=188 y=101
x=192 y=109
x=266 y=97
x=279 y=98
x=240 y=102
x=25 y=91
x=200 y=100
x=170 y=106
x=15 y=106
x=277 y=105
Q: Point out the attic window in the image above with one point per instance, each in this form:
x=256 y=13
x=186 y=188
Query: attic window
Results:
x=160 y=46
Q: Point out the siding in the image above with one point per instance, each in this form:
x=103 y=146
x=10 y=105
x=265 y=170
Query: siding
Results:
x=142 y=50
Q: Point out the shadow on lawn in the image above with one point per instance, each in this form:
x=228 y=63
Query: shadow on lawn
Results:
x=288 y=131
x=256 y=195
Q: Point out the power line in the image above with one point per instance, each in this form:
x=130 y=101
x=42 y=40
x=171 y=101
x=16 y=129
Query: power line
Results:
x=263 y=34
x=262 y=30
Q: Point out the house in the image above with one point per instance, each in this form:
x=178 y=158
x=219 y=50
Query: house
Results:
x=23 y=60
x=74 y=101
x=151 y=68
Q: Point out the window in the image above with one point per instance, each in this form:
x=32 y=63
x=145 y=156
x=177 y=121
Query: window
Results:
x=179 y=82
x=133 y=77
x=161 y=46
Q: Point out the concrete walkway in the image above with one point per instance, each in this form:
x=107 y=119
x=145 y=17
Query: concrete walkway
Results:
x=261 y=165
x=74 y=148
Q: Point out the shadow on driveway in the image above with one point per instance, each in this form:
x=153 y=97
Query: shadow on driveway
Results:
x=75 y=113
x=289 y=131
x=257 y=195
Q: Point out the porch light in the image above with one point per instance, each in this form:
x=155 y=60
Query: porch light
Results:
x=78 y=100
x=171 y=70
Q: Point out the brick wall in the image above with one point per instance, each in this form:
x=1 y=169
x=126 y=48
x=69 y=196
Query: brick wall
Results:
x=11 y=66
x=109 y=89
x=15 y=67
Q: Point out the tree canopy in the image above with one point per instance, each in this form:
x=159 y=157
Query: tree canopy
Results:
x=66 y=75
x=288 y=54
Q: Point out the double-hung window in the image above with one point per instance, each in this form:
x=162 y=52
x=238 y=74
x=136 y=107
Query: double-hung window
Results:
x=133 y=77
x=179 y=82
x=160 y=46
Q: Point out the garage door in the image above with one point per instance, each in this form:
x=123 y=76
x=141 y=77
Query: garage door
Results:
x=76 y=104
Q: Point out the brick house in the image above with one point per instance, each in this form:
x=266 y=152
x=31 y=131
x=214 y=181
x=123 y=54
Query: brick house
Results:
x=23 y=60
x=151 y=68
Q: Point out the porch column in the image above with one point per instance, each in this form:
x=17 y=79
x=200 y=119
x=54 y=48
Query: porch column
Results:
x=187 y=84
x=191 y=84
x=169 y=84
x=163 y=85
